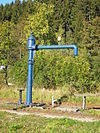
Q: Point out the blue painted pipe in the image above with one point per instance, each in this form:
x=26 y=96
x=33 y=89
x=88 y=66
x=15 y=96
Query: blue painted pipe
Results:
x=32 y=48
x=59 y=47
x=30 y=44
x=41 y=47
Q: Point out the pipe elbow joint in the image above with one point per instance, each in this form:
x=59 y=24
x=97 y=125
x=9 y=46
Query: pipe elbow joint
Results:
x=75 y=50
x=35 y=47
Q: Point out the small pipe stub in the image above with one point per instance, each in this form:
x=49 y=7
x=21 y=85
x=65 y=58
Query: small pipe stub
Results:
x=20 y=95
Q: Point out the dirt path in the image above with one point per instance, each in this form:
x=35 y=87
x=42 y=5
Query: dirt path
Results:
x=53 y=115
x=50 y=113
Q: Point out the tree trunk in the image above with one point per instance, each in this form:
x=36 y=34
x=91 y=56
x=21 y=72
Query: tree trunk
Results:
x=6 y=75
x=20 y=53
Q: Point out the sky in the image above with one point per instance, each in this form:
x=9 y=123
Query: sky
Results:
x=6 y=1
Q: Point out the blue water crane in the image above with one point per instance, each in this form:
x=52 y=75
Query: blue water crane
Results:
x=32 y=48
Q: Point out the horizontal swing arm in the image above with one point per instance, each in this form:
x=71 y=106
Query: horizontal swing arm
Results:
x=37 y=47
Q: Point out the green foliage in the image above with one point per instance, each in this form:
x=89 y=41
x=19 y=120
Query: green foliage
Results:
x=91 y=44
x=2 y=77
x=18 y=72
x=75 y=21
x=14 y=127
x=38 y=23
x=13 y=12
x=91 y=36
x=52 y=69
x=6 y=43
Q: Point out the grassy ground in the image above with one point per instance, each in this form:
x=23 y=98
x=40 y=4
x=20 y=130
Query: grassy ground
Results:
x=44 y=95
x=92 y=112
x=41 y=95
x=11 y=123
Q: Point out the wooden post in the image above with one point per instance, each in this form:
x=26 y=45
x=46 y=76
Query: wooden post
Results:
x=84 y=102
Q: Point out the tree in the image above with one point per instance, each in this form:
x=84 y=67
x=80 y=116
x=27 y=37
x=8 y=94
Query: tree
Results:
x=91 y=44
x=18 y=72
x=57 y=69
x=19 y=39
x=38 y=23
x=1 y=10
x=16 y=11
x=91 y=36
x=6 y=57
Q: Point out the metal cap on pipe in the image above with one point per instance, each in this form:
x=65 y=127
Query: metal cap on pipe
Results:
x=31 y=41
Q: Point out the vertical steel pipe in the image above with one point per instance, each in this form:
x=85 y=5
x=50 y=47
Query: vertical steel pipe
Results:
x=20 y=96
x=31 y=42
x=84 y=102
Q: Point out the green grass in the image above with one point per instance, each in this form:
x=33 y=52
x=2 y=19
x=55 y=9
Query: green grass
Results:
x=9 y=93
x=94 y=100
x=37 y=94
x=46 y=95
x=92 y=112
x=11 y=123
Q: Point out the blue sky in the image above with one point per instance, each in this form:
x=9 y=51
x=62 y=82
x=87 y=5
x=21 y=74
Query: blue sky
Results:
x=6 y=1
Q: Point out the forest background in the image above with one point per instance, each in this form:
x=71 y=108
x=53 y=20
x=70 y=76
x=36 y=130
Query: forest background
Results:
x=75 y=21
